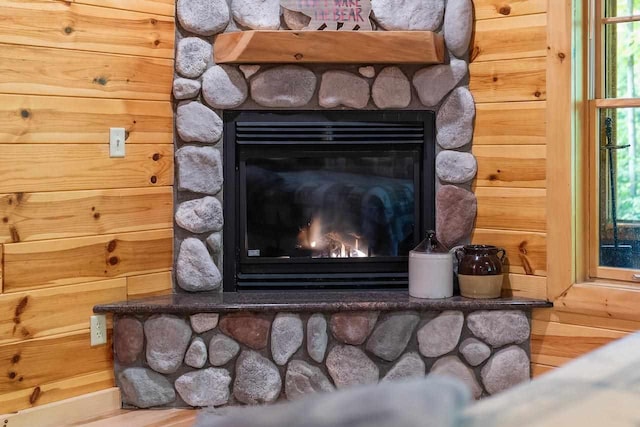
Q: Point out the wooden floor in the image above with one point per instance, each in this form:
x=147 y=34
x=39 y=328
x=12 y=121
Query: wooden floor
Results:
x=144 y=418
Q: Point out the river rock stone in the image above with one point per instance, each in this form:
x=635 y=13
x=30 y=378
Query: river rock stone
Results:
x=128 y=339
x=200 y=215
x=453 y=366
x=441 y=334
x=206 y=387
x=456 y=167
x=195 y=270
x=408 y=14
x=250 y=329
x=317 y=337
x=286 y=86
x=392 y=334
x=455 y=214
x=257 y=379
x=214 y=242
x=249 y=70
x=224 y=87
x=454 y=121
x=499 y=327
x=222 y=349
x=474 y=351
x=343 y=88
x=367 y=71
x=508 y=367
x=434 y=82
x=349 y=366
x=203 y=322
x=203 y=17
x=409 y=365
x=167 y=340
x=303 y=379
x=196 y=355
x=197 y=123
x=295 y=20
x=144 y=388
x=185 y=88
x=391 y=89
x=199 y=169
x=353 y=327
x=257 y=14
x=286 y=337
x=458 y=25
x=192 y=57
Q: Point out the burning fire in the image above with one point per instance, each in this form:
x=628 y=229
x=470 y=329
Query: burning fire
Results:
x=331 y=244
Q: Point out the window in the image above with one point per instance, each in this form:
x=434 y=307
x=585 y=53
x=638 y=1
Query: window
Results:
x=614 y=166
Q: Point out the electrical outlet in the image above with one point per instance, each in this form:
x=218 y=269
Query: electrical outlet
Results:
x=117 y=138
x=98 y=329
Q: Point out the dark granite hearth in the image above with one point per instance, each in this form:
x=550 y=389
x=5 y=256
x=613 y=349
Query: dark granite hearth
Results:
x=312 y=301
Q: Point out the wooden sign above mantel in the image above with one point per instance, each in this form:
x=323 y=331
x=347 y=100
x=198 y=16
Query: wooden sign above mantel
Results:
x=329 y=47
x=341 y=15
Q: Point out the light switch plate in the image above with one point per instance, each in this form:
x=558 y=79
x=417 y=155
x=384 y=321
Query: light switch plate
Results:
x=116 y=142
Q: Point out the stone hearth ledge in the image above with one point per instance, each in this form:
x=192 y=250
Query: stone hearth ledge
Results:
x=309 y=301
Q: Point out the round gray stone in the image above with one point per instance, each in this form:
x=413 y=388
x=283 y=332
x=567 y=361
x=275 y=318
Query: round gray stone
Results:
x=257 y=379
x=286 y=86
x=343 y=88
x=456 y=167
x=440 y=335
x=192 y=57
x=185 y=88
x=303 y=379
x=197 y=123
x=295 y=20
x=203 y=17
x=455 y=214
x=474 y=351
x=203 y=322
x=257 y=14
x=195 y=270
x=196 y=355
x=452 y=366
x=167 y=340
x=224 y=87
x=458 y=25
x=391 y=89
x=200 y=215
x=433 y=83
x=222 y=349
x=500 y=327
x=408 y=14
x=392 y=334
x=454 y=121
x=249 y=70
x=349 y=366
x=286 y=337
x=410 y=365
x=144 y=388
x=508 y=367
x=206 y=387
x=317 y=337
x=367 y=71
x=214 y=241
x=199 y=169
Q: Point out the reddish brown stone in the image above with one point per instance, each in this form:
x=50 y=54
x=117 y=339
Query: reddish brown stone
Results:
x=128 y=338
x=455 y=214
x=250 y=329
x=353 y=328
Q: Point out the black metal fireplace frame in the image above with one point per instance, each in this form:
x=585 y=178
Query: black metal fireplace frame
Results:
x=241 y=273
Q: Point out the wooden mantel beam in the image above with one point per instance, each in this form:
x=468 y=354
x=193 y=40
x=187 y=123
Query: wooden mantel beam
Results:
x=330 y=47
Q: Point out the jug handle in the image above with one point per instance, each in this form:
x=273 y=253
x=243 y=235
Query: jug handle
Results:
x=459 y=253
x=504 y=254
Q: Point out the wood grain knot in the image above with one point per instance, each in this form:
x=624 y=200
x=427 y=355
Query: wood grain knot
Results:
x=22 y=306
x=35 y=395
x=15 y=359
x=111 y=246
x=113 y=260
x=156 y=42
x=298 y=56
x=495 y=79
x=101 y=81
x=96 y=215
x=537 y=94
x=12 y=375
x=153 y=21
x=68 y=30
x=25 y=114
x=505 y=10
x=154 y=179
x=156 y=157
x=5 y=220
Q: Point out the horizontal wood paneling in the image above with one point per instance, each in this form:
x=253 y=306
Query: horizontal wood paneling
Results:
x=159 y=7
x=526 y=252
x=23 y=70
x=63 y=120
x=55 y=215
x=511 y=123
x=511 y=209
x=557 y=316
x=510 y=38
x=47 y=167
x=603 y=300
x=67 y=261
x=44 y=312
x=487 y=9
x=149 y=285
x=511 y=166
x=521 y=285
x=509 y=80
x=81 y=27
x=538 y=369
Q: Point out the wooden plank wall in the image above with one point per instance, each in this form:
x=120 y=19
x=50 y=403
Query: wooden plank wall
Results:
x=78 y=228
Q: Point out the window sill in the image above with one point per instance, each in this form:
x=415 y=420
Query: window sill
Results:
x=603 y=299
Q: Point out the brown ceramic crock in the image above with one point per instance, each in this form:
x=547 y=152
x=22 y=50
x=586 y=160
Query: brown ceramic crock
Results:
x=480 y=271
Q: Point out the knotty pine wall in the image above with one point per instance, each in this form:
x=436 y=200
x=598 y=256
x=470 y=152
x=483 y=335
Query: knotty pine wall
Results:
x=78 y=228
